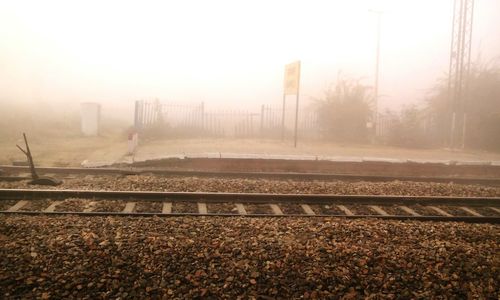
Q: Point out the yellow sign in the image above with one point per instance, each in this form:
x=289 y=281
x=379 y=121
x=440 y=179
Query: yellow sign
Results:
x=292 y=78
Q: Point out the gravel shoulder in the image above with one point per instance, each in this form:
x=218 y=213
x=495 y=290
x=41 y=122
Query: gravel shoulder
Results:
x=93 y=258
x=238 y=185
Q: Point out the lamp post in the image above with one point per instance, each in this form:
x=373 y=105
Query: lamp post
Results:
x=377 y=60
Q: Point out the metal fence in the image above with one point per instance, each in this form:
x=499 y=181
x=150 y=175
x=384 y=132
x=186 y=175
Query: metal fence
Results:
x=195 y=120
x=146 y=113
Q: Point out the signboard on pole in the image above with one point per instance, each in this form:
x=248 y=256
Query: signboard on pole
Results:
x=292 y=78
x=291 y=87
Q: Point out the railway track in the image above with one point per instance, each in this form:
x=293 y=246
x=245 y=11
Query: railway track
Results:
x=134 y=203
x=268 y=175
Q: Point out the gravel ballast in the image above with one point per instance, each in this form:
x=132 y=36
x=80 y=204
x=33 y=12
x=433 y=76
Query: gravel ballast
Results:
x=64 y=257
x=185 y=257
x=239 y=185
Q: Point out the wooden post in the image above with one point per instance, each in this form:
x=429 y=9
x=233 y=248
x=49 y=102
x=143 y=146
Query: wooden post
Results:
x=34 y=175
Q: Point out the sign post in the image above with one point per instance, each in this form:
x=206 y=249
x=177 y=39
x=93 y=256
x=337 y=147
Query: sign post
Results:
x=291 y=87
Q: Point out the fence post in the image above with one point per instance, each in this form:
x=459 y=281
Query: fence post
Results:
x=141 y=113
x=146 y=112
x=202 y=115
x=156 y=114
x=250 y=129
x=261 y=120
x=136 y=114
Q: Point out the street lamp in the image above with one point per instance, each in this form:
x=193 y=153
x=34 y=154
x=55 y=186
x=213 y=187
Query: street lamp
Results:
x=379 y=20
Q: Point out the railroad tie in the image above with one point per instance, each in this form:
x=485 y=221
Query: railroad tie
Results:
x=167 y=208
x=89 y=207
x=379 y=210
x=18 y=205
x=346 y=210
x=276 y=209
x=434 y=209
x=202 y=208
x=409 y=210
x=129 y=207
x=241 y=209
x=471 y=211
x=440 y=211
x=307 y=209
x=52 y=207
x=495 y=209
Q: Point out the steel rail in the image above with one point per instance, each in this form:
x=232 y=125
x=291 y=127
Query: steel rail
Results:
x=466 y=219
x=213 y=197
x=251 y=198
x=267 y=175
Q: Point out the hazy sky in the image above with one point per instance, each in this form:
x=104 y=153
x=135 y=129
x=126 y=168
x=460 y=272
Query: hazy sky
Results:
x=225 y=51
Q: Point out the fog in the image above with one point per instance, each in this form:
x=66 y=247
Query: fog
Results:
x=225 y=54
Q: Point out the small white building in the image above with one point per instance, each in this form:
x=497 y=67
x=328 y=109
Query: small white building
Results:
x=91 y=118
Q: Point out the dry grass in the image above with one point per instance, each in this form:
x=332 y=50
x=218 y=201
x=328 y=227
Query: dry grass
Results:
x=54 y=135
x=60 y=152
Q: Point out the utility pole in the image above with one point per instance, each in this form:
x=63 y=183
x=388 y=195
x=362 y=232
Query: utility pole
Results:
x=297 y=110
x=459 y=71
x=377 y=63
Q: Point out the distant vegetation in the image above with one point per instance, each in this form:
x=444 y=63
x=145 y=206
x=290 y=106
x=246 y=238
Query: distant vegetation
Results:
x=345 y=110
x=482 y=107
x=429 y=126
x=408 y=128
